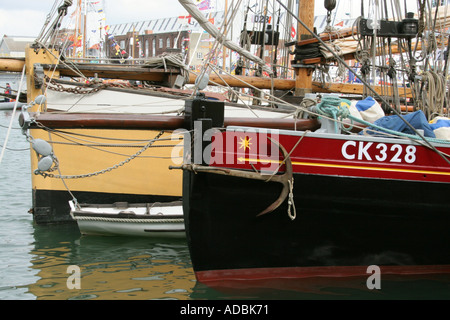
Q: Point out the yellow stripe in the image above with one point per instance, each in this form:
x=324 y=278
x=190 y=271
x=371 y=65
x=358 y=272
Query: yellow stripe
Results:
x=313 y=164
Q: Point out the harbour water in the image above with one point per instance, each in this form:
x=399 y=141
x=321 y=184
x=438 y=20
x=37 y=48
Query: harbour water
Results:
x=37 y=262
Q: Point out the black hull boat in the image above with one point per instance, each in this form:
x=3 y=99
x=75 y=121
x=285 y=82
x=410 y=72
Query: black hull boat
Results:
x=322 y=205
x=266 y=205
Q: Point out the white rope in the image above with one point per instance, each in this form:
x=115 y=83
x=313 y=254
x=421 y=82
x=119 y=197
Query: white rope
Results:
x=128 y=220
x=291 y=204
x=436 y=91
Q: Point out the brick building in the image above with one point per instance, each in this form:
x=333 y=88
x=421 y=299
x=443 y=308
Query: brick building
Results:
x=152 y=38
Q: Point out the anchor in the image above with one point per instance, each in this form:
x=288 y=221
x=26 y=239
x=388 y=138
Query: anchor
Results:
x=283 y=178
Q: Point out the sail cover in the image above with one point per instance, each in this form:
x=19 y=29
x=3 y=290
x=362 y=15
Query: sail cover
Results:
x=213 y=31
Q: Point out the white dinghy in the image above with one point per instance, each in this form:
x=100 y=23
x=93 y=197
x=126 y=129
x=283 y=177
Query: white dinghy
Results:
x=120 y=218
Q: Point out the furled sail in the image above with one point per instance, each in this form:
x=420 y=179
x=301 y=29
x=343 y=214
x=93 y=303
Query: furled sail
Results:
x=213 y=31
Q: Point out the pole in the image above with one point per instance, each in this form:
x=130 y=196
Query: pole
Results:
x=303 y=77
x=84 y=29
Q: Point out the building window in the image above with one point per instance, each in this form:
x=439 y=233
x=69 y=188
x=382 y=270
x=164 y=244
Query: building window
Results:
x=199 y=55
x=147 y=48
x=161 y=43
x=153 y=47
x=168 y=43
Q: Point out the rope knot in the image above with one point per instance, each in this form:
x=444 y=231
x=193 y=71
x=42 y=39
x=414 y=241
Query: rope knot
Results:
x=331 y=107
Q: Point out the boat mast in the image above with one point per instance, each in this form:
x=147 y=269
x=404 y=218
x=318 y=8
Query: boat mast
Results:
x=84 y=28
x=303 y=76
x=77 y=29
x=224 y=49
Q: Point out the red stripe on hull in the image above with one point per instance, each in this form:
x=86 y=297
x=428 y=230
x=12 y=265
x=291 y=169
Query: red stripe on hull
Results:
x=313 y=272
x=361 y=157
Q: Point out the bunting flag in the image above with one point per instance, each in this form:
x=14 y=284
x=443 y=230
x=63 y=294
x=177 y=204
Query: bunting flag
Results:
x=340 y=24
x=185 y=20
x=203 y=4
x=293 y=33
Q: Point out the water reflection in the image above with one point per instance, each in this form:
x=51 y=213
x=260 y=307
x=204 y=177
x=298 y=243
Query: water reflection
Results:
x=111 y=267
x=125 y=268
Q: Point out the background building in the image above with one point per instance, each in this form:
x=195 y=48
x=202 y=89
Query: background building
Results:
x=14 y=46
x=146 y=39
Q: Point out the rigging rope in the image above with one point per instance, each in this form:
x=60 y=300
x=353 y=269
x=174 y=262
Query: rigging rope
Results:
x=434 y=98
x=211 y=29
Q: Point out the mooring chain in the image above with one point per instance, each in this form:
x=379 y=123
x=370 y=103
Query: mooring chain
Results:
x=50 y=175
x=96 y=87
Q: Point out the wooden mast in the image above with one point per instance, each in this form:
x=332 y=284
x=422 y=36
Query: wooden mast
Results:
x=127 y=72
x=77 y=29
x=303 y=76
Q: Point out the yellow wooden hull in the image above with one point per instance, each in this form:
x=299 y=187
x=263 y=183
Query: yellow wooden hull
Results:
x=93 y=163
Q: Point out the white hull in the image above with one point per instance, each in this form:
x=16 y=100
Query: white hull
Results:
x=138 y=102
x=146 y=220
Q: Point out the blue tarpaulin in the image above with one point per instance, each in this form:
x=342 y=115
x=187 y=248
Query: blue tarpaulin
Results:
x=416 y=119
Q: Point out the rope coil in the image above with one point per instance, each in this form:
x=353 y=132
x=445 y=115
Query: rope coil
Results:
x=330 y=106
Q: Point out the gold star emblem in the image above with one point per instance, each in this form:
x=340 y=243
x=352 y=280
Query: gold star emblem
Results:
x=245 y=143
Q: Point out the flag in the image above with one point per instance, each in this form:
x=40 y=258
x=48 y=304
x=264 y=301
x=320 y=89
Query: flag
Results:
x=293 y=33
x=340 y=24
x=184 y=19
x=203 y=4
